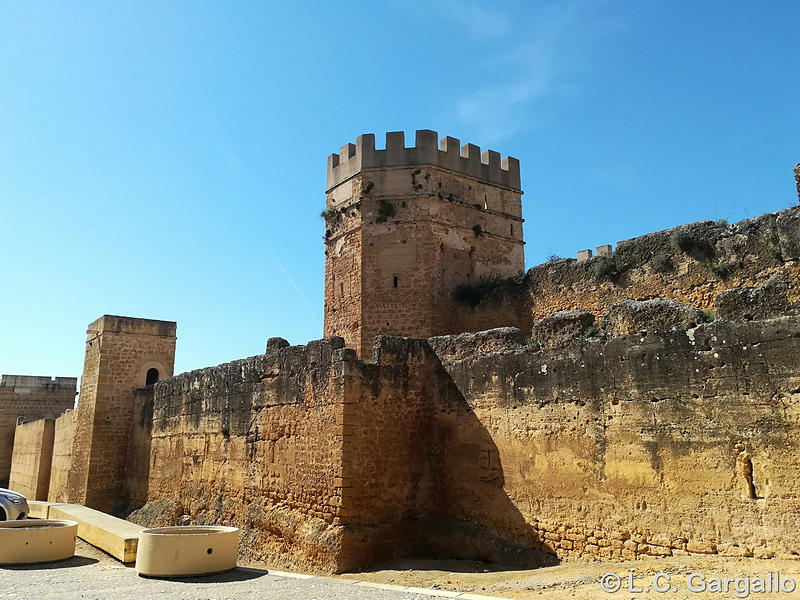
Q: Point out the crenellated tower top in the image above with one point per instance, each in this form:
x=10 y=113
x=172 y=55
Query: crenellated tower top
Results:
x=407 y=228
x=428 y=150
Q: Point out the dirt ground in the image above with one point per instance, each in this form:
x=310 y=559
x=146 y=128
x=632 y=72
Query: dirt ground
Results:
x=582 y=580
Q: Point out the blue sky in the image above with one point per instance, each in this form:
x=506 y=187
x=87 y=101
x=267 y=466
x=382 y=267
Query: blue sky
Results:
x=167 y=159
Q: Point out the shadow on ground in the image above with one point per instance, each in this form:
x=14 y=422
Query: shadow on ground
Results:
x=237 y=574
x=75 y=561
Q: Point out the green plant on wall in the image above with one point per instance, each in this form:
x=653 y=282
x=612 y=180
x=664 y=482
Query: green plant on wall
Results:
x=385 y=211
x=692 y=246
x=605 y=267
x=703 y=252
x=662 y=263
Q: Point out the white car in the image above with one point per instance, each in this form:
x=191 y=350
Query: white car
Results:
x=13 y=506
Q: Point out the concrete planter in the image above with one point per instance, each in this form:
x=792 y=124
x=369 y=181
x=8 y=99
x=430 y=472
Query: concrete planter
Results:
x=35 y=541
x=186 y=551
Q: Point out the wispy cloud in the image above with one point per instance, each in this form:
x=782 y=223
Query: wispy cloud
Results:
x=303 y=298
x=478 y=21
x=543 y=56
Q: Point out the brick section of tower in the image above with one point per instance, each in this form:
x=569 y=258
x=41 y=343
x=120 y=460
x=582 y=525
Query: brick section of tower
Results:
x=119 y=353
x=405 y=227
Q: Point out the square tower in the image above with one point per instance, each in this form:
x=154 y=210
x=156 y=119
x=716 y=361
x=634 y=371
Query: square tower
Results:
x=406 y=226
x=122 y=354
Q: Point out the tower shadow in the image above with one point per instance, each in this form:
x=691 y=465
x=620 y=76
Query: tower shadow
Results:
x=472 y=516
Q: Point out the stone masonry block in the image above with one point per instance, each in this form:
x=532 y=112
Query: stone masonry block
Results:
x=635 y=316
x=561 y=328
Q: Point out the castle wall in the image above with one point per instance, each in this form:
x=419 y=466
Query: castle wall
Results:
x=30 y=464
x=645 y=444
x=256 y=443
x=716 y=256
x=319 y=457
x=482 y=446
x=29 y=397
x=63 y=437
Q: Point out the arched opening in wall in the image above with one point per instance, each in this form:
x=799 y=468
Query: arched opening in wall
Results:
x=151 y=377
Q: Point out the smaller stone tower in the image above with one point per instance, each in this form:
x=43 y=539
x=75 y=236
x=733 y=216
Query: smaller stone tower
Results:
x=122 y=355
x=406 y=226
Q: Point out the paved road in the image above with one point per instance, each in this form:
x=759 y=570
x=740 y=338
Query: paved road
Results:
x=93 y=575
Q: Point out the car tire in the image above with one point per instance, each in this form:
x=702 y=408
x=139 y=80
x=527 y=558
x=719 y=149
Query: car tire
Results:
x=2 y=514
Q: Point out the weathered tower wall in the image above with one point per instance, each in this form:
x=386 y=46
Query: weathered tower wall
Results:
x=119 y=353
x=406 y=226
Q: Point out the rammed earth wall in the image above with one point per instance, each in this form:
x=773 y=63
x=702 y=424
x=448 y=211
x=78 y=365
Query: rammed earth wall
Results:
x=479 y=445
x=647 y=444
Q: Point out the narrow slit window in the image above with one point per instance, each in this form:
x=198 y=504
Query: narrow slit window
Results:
x=395 y=281
x=512 y=229
x=485 y=203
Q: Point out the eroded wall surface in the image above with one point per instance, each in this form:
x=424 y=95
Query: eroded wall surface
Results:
x=30 y=464
x=690 y=264
x=654 y=443
x=64 y=434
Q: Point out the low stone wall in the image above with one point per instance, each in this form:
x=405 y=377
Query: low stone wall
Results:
x=64 y=434
x=31 y=460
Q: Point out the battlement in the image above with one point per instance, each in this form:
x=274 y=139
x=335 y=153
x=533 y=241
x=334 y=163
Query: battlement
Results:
x=428 y=150
x=39 y=382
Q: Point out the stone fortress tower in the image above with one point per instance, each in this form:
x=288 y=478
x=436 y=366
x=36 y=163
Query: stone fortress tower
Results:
x=406 y=226
x=122 y=355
